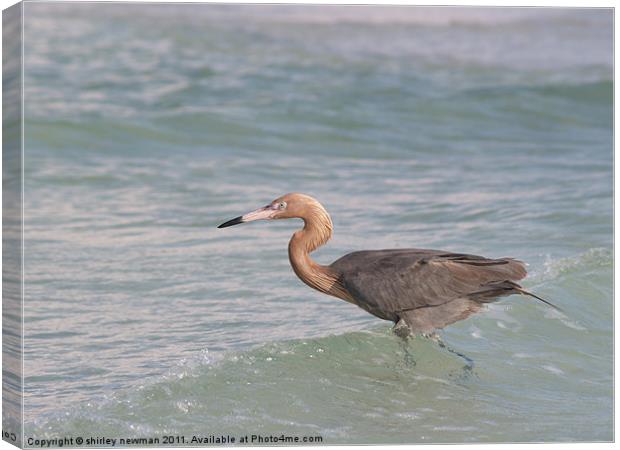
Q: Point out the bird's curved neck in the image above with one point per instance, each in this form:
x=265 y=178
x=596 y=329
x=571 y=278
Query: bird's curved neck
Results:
x=317 y=231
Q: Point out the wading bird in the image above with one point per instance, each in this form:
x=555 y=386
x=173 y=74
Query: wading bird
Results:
x=419 y=290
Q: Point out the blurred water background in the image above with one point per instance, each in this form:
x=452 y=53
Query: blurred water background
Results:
x=486 y=131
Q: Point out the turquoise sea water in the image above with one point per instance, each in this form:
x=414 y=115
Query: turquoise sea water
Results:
x=486 y=131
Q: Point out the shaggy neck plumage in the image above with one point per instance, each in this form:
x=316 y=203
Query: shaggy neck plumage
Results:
x=317 y=231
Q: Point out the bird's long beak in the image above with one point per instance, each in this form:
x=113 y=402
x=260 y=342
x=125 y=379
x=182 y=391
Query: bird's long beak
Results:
x=260 y=214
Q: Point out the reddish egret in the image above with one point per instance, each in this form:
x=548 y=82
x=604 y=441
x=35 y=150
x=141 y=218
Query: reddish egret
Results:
x=419 y=290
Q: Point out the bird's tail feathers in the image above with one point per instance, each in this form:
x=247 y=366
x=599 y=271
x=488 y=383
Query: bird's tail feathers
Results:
x=498 y=288
x=524 y=292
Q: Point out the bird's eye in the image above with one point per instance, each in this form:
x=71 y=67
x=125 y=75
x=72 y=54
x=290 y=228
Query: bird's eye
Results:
x=281 y=205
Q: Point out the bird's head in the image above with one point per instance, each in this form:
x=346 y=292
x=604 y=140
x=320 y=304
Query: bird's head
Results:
x=286 y=207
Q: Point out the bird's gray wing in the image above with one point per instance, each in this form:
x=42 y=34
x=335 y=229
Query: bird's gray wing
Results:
x=428 y=288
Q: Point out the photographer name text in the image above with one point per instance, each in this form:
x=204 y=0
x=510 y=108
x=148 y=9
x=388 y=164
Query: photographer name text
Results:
x=224 y=439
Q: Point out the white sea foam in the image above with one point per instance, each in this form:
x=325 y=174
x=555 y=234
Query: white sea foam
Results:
x=553 y=369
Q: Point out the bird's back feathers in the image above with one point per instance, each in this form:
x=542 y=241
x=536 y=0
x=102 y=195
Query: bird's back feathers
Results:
x=429 y=289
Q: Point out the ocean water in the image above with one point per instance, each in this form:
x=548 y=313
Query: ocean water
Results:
x=475 y=130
